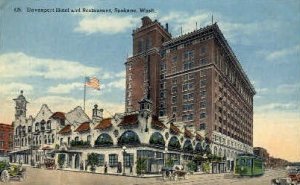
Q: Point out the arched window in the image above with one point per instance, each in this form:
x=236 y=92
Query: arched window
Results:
x=48 y=124
x=104 y=140
x=215 y=150
x=174 y=144
x=220 y=152
x=37 y=126
x=157 y=139
x=43 y=122
x=198 y=148
x=187 y=146
x=129 y=138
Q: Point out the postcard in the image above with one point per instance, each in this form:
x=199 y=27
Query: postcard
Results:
x=149 y=92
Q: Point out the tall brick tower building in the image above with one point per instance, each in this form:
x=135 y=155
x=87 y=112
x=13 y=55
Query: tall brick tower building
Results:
x=195 y=78
x=143 y=68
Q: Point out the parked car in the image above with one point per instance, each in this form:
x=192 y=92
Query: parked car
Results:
x=8 y=171
x=294 y=174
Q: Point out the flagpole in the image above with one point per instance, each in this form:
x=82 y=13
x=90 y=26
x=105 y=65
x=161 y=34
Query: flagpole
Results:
x=84 y=93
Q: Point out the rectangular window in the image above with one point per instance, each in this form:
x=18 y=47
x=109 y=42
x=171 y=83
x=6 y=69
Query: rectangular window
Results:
x=202 y=115
x=188 y=97
x=174 y=89
x=188 y=107
x=203 y=83
x=202 y=104
x=174 y=69
x=188 y=65
x=174 y=81
x=202 y=126
x=113 y=160
x=203 y=50
x=162 y=94
x=185 y=77
x=191 y=76
x=174 y=109
x=174 y=99
x=203 y=73
x=101 y=159
x=203 y=61
x=191 y=54
x=128 y=159
x=188 y=86
x=203 y=92
x=174 y=59
x=185 y=87
x=188 y=117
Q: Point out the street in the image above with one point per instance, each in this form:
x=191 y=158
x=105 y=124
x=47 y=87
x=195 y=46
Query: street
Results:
x=56 y=177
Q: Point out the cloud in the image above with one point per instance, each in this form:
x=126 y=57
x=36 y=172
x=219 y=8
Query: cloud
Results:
x=235 y=32
x=288 y=88
x=186 y=21
x=106 y=24
x=11 y=89
x=14 y=65
x=65 y=88
x=279 y=54
x=278 y=107
x=120 y=84
x=260 y=91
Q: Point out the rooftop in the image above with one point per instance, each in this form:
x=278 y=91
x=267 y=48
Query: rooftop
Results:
x=129 y=120
x=65 y=130
x=104 y=124
x=83 y=127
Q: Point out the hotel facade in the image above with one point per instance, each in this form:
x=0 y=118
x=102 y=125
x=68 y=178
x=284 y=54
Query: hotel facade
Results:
x=185 y=96
x=195 y=79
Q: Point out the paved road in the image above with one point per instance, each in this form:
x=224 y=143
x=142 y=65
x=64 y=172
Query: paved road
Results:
x=56 y=177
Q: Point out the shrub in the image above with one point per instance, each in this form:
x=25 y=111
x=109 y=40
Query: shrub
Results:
x=191 y=165
x=169 y=162
x=206 y=167
x=141 y=165
x=92 y=161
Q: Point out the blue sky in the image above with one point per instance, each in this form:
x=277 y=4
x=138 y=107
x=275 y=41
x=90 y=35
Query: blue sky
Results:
x=48 y=54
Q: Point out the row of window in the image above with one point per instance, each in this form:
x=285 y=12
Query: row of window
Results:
x=189 y=54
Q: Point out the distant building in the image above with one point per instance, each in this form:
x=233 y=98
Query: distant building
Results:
x=263 y=153
x=270 y=162
x=6 y=139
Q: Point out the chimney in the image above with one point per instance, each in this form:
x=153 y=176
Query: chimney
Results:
x=146 y=20
x=167 y=27
x=97 y=113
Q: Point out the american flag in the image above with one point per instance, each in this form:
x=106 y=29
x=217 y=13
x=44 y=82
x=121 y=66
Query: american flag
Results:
x=92 y=82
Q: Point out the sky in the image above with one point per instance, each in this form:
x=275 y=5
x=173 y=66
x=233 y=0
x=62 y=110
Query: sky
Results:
x=48 y=54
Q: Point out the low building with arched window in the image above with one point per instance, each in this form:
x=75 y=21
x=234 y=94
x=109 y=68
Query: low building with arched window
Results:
x=125 y=140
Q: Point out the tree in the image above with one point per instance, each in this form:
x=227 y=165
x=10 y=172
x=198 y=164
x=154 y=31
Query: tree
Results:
x=92 y=161
x=169 y=162
x=141 y=165
x=191 y=165
x=206 y=167
x=61 y=160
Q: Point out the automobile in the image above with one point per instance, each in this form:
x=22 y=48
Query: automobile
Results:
x=281 y=181
x=8 y=171
x=294 y=174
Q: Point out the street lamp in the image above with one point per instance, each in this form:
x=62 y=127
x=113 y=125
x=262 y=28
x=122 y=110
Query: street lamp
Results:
x=124 y=153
